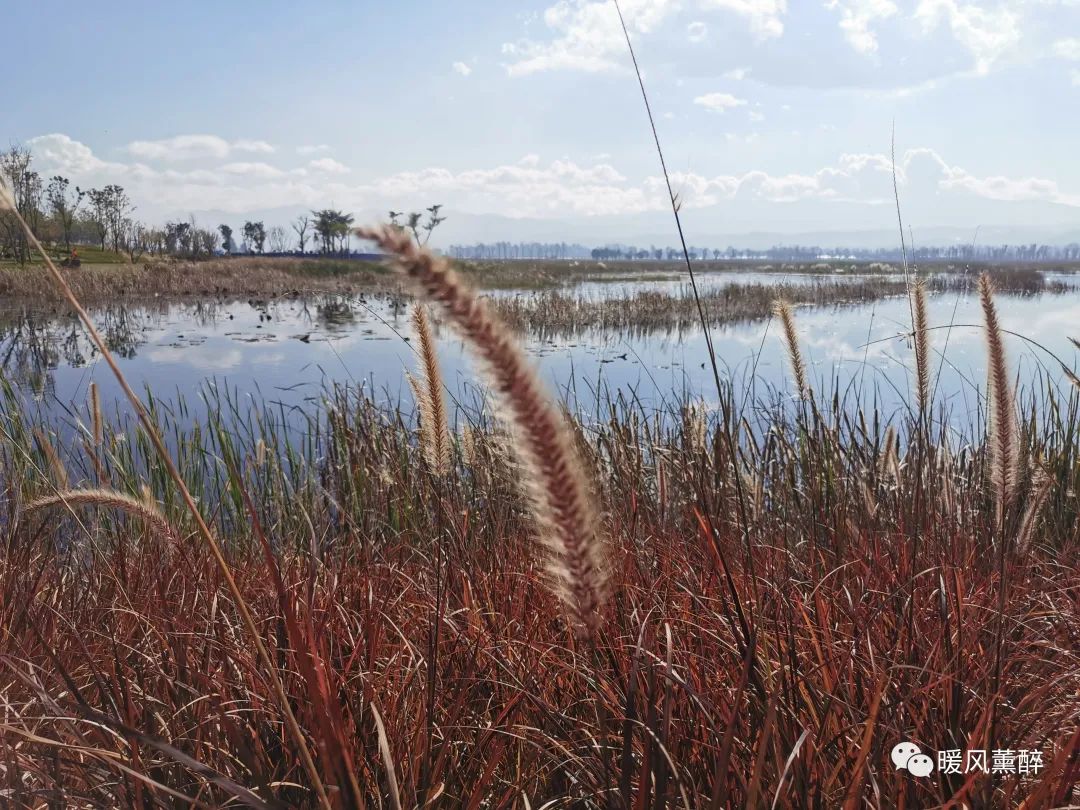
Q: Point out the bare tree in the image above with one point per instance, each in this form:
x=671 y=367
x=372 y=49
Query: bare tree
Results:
x=301 y=226
x=279 y=239
x=25 y=187
x=64 y=205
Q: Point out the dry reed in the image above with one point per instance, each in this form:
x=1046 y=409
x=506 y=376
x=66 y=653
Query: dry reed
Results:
x=1003 y=438
x=1041 y=485
x=140 y=507
x=431 y=402
x=922 y=346
x=782 y=310
x=552 y=471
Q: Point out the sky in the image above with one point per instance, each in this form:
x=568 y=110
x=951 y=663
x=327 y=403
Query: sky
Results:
x=524 y=119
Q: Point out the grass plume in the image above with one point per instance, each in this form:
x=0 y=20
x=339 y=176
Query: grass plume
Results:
x=140 y=507
x=1003 y=438
x=552 y=472
x=782 y=310
x=430 y=400
x=922 y=347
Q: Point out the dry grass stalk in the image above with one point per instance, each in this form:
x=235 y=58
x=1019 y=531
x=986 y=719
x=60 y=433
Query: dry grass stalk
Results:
x=95 y=416
x=52 y=457
x=922 y=346
x=1003 y=437
x=1041 y=484
x=189 y=501
x=552 y=471
x=782 y=310
x=143 y=507
x=434 y=433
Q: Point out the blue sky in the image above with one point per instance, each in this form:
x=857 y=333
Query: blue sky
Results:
x=523 y=120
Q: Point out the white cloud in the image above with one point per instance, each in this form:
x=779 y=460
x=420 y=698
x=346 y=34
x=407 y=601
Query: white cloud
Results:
x=764 y=16
x=718 y=102
x=193 y=147
x=987 y=34
x=260 y=170
x=738 y=74
x=312 y=149
x=532 y=188
x=329 y=166
x=697 y=31
x=65 y=154
x=1068 y=49
x=856 y=19
x=587 y=36
x=756 y=116
x=462 y=69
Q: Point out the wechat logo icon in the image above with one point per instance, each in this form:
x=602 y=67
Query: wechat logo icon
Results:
x=906 y=756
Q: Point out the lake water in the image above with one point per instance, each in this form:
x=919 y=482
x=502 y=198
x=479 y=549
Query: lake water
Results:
x=286 y=352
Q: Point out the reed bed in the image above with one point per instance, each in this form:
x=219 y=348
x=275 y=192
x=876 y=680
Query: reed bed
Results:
x=558 y=312
x=755 y=606
x=126 y=678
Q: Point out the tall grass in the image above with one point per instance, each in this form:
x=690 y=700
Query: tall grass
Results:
x=127 y=677
x=300 y=619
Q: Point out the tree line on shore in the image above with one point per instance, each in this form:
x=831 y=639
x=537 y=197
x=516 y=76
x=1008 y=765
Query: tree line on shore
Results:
x=555 y=251
x=65 y=216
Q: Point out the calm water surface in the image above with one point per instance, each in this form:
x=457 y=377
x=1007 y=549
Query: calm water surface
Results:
x=286 y=352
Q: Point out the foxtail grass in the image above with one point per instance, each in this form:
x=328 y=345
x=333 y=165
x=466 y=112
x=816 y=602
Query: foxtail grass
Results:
x=434 y=430
x=142 y=508
x=552 y=473
x=922 y=347
x=782 y=310
x=1003 y=438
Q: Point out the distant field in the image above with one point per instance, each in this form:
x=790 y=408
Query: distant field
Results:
x=104 y=274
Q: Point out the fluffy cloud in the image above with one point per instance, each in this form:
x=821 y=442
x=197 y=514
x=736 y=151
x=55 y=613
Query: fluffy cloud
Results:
x=587 y=36
x=764 y=16
x=1068 y=49
x=258 y=170
x=697 y=31
x=461 y=69
x=328 y=166
x=857 y=17
x=531 y=187
x=65 y=154
x=987 y=34
x=718 y=102
x=194 y=147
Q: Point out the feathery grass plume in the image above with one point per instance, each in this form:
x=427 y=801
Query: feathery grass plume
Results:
x=143 y=507
x=922 y=346
x=1041 y=484
x=432 y=404
x=468 y=446
x=48 y=449
x=552 y=471
x=1003 y=436
x=95 y=416
x=888 y=460
x=782 y=310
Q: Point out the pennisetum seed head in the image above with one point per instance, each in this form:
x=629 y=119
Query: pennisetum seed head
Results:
x=552 y=472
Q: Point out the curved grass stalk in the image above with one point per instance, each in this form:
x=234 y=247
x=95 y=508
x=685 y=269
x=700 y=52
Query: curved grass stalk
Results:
x=552 y=470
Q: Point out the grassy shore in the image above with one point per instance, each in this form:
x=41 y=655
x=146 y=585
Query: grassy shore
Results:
x=861 y=610
x=567 y=313
x=784 y=591
x=107 y=281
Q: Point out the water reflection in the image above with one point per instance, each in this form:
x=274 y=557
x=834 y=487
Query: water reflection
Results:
x=285 y=351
